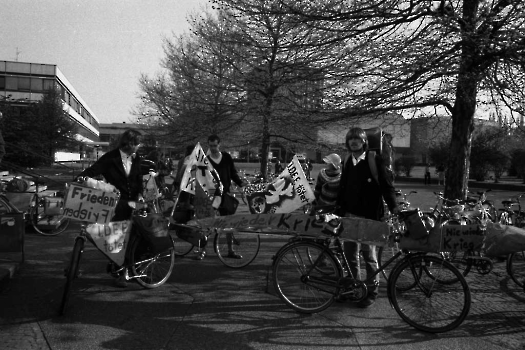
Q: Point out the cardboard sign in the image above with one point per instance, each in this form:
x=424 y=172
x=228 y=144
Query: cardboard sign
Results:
x=89 y=204
x=111 y=239
x=447 y=238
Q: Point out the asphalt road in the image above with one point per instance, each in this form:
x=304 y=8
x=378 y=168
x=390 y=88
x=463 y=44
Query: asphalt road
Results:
x=206 y=305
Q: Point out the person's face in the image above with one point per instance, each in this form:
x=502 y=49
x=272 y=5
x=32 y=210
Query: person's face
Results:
x=214 y=146
x=355 y=143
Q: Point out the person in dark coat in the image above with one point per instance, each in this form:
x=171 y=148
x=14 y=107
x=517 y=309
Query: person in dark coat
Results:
x=361 y=195
x=121 y=168
x=222 y=162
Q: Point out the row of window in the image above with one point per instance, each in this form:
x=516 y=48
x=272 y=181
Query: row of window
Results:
x=39 y=85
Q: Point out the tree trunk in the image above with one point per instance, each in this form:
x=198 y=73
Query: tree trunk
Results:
x=457 y=173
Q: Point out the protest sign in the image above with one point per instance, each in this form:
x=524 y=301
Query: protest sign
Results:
x=112 y=238
x=89 y=204
x=290 y=191
x=203 y=173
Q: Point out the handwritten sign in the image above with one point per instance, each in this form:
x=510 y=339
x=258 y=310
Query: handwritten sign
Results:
x=89 y=204
x=290 y=191
x=353 y=229
x=447 y=238
x=111 y=239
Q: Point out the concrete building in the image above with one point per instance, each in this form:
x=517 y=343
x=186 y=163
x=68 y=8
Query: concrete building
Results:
x=22 y=83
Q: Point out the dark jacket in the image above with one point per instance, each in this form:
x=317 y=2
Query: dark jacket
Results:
x=360 y=194
x=226 y=170
x=110 y=166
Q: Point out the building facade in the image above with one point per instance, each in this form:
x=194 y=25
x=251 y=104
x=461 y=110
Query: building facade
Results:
x=22 y=83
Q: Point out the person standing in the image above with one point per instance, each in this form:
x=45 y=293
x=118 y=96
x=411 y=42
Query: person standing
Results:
x=440 y=170
x=121 y=168
x=363 y=187
x=427 y=174
x=327 y=184
x=222 y=162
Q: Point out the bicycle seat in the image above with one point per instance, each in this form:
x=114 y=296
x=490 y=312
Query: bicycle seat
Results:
x=509 y=202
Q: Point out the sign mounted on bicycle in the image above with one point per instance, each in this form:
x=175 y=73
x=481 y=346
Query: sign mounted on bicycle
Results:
x=141 y=247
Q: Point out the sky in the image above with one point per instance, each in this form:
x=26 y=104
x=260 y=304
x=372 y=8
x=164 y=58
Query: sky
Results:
x=101 y=46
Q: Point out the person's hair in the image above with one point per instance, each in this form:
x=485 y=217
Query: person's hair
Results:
x=189 y=149
x=214 y=137
x=353 y=132
x=129 y=139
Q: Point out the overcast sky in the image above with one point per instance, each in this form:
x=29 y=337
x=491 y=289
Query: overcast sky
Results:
x=101 y=46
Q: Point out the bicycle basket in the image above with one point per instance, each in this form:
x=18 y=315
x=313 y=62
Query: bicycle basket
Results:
x=154 y=228
x=416 y=228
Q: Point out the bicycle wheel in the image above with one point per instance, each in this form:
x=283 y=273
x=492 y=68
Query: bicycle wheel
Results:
x=384 y=254
x=47 y=225
x=153 y=269
x=516 y=267
x=245 y=244
x=71 y=272
x=460 y=260
x=300 y=283
x=429 y=305
x=181 y=247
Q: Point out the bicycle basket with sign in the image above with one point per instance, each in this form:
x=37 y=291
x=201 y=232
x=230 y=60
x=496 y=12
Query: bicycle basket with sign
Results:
x=416 y=228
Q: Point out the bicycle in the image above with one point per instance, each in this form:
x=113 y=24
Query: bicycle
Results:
x=308 y=277
x=515 y=263
x=188 y=237
x=44 y=212
x=149 y=262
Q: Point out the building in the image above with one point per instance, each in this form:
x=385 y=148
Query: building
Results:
x=23 y=83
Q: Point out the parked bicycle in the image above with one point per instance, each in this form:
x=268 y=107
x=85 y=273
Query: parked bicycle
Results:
x=44 y=212
x=514 y=217
x=147 y=261
x=308 y=277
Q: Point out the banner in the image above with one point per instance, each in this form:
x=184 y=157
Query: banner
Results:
x=111 y=239
x=290 y=191
x=199 y=169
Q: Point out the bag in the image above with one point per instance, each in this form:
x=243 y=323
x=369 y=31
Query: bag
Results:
x=416 y=228
x=17 y=185
x=53 y=205
x=229 y=204
x=154 y=229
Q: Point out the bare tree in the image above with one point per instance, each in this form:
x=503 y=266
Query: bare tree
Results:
x=430 y=58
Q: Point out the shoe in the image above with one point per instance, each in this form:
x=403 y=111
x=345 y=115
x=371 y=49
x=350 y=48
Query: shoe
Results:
x=200 y=255
x=366 y=302
x=234 y=255
x=121 y=281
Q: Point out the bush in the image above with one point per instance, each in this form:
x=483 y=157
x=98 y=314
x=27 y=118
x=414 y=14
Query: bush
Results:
x=405 y=164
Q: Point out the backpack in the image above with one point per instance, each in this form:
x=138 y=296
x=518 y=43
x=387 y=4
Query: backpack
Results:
x=17 y=185
x=371 y=163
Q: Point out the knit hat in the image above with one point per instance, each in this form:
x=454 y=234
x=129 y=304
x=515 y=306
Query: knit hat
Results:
x=333 y=159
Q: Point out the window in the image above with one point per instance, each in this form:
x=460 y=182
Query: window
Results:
x=11 y=83
x=24 y=84
x=2 y=83
x=37 y=84
x=49 y=84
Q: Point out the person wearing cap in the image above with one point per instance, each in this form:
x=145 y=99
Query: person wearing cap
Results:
x=327 y=184
x=361 y=194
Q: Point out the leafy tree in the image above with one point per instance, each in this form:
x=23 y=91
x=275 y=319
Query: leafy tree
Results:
x=489 y=152
x=34 y=133
x=430 y=57
x=438 y=153
x=519 y=159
